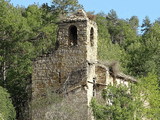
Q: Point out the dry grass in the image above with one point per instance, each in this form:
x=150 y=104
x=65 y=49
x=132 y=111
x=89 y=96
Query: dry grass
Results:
x=69 y=107
x=91 y=16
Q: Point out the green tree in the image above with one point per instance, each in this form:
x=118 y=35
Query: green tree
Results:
x=7 y=111
x=116 y=38
x=121 y=103
x=63 y=7
x=25 y=33
x=143 y=52
x=150 y=48
x=134 y=22
x=135 y=59
x=16 y=53
x=112 y=16
x=107 y=50
x=121 y=31
x=43 y=28
x=146 y=25
x=150 y=93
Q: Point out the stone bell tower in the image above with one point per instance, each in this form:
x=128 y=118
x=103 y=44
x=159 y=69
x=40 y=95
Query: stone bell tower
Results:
x=77 y=37
x=71 y=68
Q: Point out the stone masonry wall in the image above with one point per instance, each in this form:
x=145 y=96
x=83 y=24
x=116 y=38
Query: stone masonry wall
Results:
x=70 y=66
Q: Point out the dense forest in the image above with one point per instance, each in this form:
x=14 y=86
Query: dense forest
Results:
x=26 y=33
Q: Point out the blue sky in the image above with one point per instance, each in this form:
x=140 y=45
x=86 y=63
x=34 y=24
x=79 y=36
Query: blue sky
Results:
x=124 y=8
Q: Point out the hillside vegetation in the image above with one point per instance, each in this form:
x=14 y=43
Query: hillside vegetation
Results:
x=26 y=33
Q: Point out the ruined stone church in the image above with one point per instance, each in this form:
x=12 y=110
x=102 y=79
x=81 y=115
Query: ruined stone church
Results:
x=73 y=69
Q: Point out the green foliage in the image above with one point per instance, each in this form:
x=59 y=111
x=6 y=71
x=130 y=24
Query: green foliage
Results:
x=26 y=33
x=121 y=31
x=116 y=36
x=7 y=111
x=144 y=54
x=43 y=28
x=16 y=52
x=112 y=16
x=151 y=96
x=138 y=55
x=146 y=25
x=122 y=103
x=134 y=22
x=63 y=7
x=106 y=50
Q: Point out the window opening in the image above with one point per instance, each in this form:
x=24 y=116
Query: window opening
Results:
x=92 y=36
x=72 y=35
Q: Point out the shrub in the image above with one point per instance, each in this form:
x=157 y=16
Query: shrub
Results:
x=7 y=111
x=121 y=104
